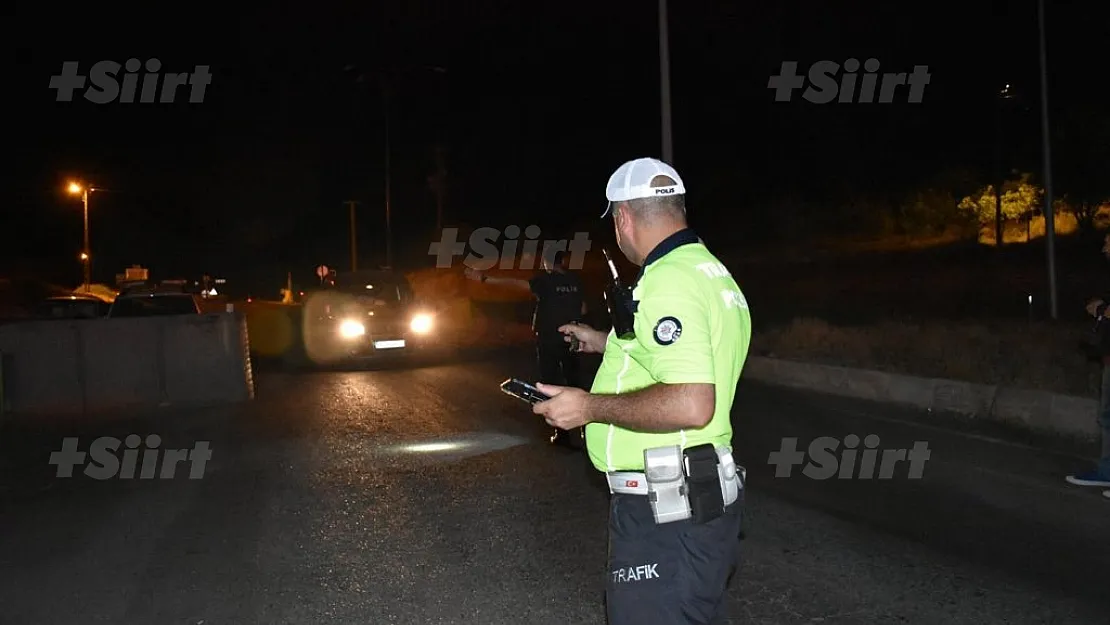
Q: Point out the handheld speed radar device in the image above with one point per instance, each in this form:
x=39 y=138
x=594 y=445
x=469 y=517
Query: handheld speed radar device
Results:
x=696 y=483
x=523 y=391
x=665 y=471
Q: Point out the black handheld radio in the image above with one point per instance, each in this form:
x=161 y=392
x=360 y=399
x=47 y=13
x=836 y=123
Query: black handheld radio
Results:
x=618 y=299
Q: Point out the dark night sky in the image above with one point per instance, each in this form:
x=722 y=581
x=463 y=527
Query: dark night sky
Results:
x=540 y=102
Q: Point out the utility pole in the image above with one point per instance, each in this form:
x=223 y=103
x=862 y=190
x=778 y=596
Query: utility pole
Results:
x=351 y=204
x=87 y=254
x=1049 y=213
x=665 y=83
x=999 y=232
x=388 y=176
x=439 y=184
x=386 y=84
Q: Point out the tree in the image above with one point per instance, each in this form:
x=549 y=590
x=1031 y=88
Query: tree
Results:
x=1019 y=198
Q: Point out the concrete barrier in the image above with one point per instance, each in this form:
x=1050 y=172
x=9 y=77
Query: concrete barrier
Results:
x=1033 y=410
x=122 y=363
x=208 y=360
x=103 y=365
x=43 y=366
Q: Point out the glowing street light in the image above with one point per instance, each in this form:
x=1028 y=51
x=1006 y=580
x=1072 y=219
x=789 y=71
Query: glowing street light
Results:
x=77 y=189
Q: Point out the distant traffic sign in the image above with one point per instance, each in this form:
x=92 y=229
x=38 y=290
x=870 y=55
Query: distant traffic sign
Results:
x=322 y=271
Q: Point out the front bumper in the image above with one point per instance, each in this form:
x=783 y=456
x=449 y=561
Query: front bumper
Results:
x=331 y=341
x=379 y=346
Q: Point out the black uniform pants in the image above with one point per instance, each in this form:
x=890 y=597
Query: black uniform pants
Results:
x=558 y=365
x=671 y=574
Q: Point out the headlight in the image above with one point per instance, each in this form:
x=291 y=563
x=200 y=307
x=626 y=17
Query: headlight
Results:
x=351 y=329
x=421 y=324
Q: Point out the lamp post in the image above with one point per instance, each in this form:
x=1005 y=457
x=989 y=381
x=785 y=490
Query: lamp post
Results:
x=1005 y=94
x=351 y=205
x=86 y=253
x=1049 y=213
x=388 y=174
x=665 y=83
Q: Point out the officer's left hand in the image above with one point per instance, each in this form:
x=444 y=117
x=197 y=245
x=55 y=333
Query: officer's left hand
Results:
x=567 y=408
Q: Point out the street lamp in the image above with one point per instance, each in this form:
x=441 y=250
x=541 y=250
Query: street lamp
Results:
x=86 y=259
x=665 y=83
x=1049 y=213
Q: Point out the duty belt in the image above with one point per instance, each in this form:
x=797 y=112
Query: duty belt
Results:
x=635 y=483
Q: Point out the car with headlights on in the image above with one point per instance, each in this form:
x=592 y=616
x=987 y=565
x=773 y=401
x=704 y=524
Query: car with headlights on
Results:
x=365 y=314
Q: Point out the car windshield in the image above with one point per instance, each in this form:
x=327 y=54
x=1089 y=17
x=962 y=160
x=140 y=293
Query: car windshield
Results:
x=376 y=286
x=153 y=306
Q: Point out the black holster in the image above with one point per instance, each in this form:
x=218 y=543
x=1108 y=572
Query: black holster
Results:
x=703 y=482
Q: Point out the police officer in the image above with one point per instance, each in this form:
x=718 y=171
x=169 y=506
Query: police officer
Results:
x=668 y=387
x=559 y=300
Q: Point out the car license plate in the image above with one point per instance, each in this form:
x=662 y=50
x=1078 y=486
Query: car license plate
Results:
x=389 y=344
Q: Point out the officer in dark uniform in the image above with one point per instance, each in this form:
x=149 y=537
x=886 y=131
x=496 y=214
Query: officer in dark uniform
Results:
x=560 y=299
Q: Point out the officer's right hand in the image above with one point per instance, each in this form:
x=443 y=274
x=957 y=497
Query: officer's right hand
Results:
x=590 y=341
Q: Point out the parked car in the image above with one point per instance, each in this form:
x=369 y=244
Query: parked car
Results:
x=72 y=307
x=154 y=301
x=19 y=297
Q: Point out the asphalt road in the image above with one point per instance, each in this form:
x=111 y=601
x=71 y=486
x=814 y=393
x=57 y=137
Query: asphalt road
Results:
x=425 y=496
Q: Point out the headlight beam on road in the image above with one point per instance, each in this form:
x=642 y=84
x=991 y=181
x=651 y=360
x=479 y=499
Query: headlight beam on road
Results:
x=462 y=446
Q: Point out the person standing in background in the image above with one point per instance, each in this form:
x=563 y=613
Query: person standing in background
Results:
x=560 y=300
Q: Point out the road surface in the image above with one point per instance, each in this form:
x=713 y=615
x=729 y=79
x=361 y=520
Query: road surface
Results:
x=425 y=496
